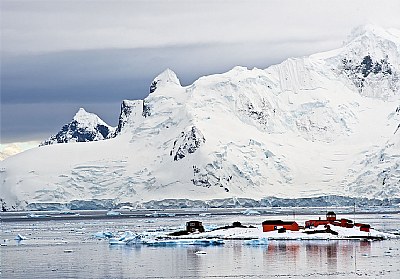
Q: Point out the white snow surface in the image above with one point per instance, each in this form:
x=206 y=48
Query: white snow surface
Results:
x=87 y=119
x=252 y=236
x=257 y=233
x=298 y=129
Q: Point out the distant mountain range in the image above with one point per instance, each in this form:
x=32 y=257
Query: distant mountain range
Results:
x=327 y=124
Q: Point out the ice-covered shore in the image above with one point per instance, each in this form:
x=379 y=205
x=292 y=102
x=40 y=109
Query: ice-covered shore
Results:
x=218 y=236
x=256 y=233
x=320 y=201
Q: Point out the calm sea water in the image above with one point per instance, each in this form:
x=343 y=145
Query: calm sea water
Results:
x=66 y=249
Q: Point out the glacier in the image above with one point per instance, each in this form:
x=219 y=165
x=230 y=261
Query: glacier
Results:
x=326 y=125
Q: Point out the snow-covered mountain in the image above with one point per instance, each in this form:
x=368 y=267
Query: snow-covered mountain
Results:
x=311 y=126
x=84 y=127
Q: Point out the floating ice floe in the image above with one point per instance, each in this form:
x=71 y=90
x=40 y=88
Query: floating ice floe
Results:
x=33 y=215
x=105 y=234
x=127 y=208
x=113 y=213
x=126 y=238
x=20 y=237
x=250 y=212
x=256 y=242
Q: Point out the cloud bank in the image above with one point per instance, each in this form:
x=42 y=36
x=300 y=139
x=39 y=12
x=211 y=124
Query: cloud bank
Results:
x=58 y=56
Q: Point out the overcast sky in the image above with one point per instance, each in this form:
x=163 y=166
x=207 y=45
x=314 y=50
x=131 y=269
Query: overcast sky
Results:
x=57 y=56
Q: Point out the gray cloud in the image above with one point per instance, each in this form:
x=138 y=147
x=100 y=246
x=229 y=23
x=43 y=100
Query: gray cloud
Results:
x=42 y=92
x=58 y=56
x=104 y=75
x=41 y=26
x=26 y=122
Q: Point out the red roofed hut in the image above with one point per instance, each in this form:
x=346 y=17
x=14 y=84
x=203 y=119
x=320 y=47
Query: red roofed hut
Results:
x=272 y=225
x=330 y=219
x=363 y=227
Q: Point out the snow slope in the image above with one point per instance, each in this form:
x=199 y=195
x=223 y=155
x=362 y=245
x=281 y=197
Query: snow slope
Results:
x=310 y=126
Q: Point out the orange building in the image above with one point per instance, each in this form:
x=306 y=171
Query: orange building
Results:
x=363 y=227
x=330 y=219
x=331 y=216
x=272 y=225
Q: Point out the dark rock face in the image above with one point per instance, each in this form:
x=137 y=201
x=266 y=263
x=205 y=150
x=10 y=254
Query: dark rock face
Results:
x=130 y=115
x=71 y=132
x=146 y=109
x=84 y=127
x=189 y=143
x=261 y=114
x=153 y=86
x=398 y=113
x=126 y=111
x=358 y=72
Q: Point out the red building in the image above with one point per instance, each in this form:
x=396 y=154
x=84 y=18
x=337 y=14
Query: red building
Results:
x=331 y=219
x=346 y=223
x=272 y=225
x=331 y=216
x=316 y=223
x=363 y=227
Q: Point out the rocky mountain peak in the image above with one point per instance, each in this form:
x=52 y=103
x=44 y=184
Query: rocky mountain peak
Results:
x=168 y=77
x=370 y=60
x=86 y=118
x=85 y=126
x=370 y=32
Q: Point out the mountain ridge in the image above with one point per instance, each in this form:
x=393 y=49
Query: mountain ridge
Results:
x=301 y=128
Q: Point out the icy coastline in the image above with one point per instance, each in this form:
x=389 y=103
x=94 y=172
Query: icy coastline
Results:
x=250 y=236
x=273 y=202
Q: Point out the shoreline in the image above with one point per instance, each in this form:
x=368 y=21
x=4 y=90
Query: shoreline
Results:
x=23 y=216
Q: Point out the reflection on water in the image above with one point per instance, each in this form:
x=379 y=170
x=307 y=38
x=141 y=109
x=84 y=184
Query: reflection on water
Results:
x=328 y=257
x=44 y=255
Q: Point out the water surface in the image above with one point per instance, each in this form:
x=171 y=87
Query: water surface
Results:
x=66 y=249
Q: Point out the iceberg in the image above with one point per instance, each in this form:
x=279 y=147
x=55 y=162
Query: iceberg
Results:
x=249 y=212
x=105 y=234
x=126 y=238
x=20 y=237
x=113 y=213
x=256 y=242
x=33 y=215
